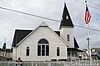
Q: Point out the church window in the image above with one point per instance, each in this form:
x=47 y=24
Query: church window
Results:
x=58 y=51
x=27 y=51
x=47 y=50
x=68 y=37
x=39 y=50
x=43 y=48
x=43 y=41
x=66 y=17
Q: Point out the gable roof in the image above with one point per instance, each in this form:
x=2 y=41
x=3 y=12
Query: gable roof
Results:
x=66 y=19
x=19 y=35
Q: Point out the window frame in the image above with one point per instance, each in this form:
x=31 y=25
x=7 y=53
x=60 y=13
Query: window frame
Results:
x=27 y=51
x=44 y=50
x=68 y=37
x=58 y=51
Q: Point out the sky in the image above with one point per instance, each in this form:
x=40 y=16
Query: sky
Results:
x=9 y=21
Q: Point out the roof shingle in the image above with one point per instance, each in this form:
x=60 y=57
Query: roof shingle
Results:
x=19 y=35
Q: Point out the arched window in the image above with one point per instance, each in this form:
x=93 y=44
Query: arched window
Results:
x=43 y=41
x=43 y=47
x=27 y=51
x=68 y=37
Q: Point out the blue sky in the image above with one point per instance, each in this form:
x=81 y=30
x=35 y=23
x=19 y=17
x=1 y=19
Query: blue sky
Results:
x=9 y=21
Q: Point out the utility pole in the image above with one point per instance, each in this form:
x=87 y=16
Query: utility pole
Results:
x=88 y=39
x=89 y=50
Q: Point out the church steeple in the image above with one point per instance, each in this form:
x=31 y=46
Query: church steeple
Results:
x=66 y=20
x=66 y=28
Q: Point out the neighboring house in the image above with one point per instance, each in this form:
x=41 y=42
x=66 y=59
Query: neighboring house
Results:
x=95 y=53
x=83 y=55
x=1 y=54
x=44 y=44
x=5 y=54
x=8 y=54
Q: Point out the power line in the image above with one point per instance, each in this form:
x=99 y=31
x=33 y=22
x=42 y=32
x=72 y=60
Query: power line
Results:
x=29 y=14
x=87 y=28
x=42 y=17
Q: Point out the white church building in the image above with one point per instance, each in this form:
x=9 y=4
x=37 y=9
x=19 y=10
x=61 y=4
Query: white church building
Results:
x=44 y=44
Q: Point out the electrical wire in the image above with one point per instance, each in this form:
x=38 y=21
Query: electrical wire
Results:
x=87 y=28
x=29 y=14
x=42 y=17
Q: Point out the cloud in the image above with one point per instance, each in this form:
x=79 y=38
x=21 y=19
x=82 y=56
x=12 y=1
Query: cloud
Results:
x=6 y=34
x=51 y=9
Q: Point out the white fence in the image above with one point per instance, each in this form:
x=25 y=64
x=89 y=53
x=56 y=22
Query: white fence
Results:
x=58 y=63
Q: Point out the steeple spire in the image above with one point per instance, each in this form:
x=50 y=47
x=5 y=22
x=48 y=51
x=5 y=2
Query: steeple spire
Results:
x=66 y=20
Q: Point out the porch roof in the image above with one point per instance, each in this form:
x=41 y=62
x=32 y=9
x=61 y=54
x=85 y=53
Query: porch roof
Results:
x=74 y=49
